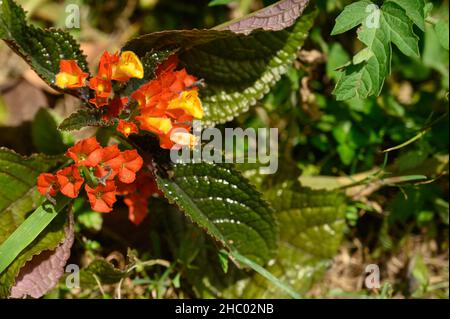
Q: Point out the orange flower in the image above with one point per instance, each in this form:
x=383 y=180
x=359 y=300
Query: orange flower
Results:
x=47 y=184
x=157 y=125
x=110 y=163
x=128 y=66
x=137 y=208
x=132 y=163
x=103 y=88
x=70 y=75
x=102 y=198
x=87 y=152
x=107 y=62
x=127 y=128
x=70 y=181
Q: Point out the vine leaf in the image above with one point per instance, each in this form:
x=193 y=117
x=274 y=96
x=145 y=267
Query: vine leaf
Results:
x=225 y=205
x=41 y=49
x=380 y=28
x=238 y=69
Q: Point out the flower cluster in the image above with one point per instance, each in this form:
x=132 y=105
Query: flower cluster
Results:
x=168 y=104
x=105 y=172
x=165 y=106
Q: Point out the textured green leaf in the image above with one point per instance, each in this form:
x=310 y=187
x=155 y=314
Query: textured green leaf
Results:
x=379 y=28
x=352 y=16
x=221 y=201
x=42 y=49
x=83 y=118
x=415 y=11
x=311 y=227
x=238 y=69
x=44 y=132
x=49 y=239
x=441 y=28
x=18 y=193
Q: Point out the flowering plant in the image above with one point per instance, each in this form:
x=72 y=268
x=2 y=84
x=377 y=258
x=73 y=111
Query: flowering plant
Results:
x=144 y=100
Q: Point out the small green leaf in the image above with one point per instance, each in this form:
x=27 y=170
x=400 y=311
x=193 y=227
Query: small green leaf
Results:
x=220 y=2
x=353 y=15
x=441 y=28
x=105 y=272
x=225 y=205
x=83 y=118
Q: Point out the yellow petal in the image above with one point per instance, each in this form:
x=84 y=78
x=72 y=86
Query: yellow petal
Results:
x=190 y=102
x=129 y=66
x=63 y=80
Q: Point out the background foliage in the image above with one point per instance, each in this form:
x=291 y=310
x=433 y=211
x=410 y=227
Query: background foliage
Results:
x=333 y=131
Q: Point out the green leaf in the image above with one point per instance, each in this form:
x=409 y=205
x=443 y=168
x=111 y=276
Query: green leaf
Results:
x=337 y=58
x=352 y=16
x=415 y=9
x=221 y=201
x=41 y=49
x=48 y=239
x=400 y=29
x=18 y=197
x=380 y=27
x=220 y=2
x=29 y=230
x=105 y=272
x=83 y=118
x=238 y=69
x=441 y=28
x=18 y=193
x=45 y=134
x=312 y=225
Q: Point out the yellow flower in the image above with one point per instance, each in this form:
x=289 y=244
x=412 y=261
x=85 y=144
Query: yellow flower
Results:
x=189 y=102
x=129 y=66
